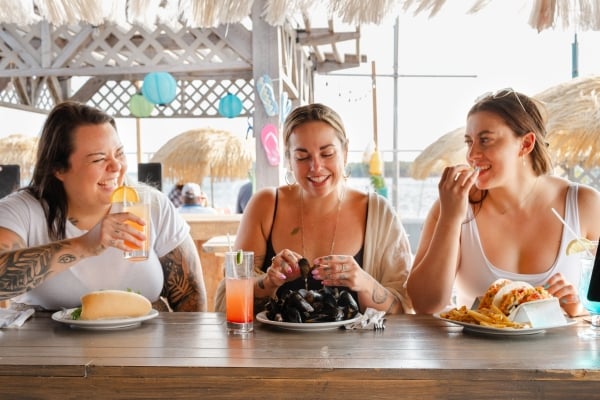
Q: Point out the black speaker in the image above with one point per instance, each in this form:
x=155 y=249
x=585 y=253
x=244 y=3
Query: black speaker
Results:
x=594 y=290
x=150 y=173
x=10 y=179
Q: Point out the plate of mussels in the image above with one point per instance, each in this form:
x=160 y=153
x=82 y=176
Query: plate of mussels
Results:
x=311 y=310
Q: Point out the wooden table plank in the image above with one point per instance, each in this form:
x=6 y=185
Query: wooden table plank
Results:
x=190 y=355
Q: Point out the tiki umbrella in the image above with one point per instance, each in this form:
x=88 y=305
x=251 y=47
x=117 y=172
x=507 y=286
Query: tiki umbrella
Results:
x=573 y=122
x=198 y=153
x=449 y=149
x=19 y=149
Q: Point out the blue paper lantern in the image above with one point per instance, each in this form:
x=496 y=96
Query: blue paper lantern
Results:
x=159 y=88
x=230 y=106
x=139 y=106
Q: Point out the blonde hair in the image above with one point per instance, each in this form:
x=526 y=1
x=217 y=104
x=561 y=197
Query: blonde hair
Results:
x=313 y=112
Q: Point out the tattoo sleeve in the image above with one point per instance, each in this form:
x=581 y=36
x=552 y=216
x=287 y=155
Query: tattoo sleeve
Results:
x=183 y=282
x=22 y=269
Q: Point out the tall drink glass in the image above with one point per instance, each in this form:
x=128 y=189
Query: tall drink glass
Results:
x=239 y=291
x=593 y=307
x=140 y=208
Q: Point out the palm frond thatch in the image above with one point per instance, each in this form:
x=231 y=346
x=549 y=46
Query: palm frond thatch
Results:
x=19 y=149
x=198 y=153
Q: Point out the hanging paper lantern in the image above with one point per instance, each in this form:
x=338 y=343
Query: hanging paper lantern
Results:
x=159 y=88
x=230 y=106
x=139 y=106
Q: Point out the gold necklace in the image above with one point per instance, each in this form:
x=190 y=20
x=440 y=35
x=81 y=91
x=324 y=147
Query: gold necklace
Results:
x=522 y=202
x=337 y=219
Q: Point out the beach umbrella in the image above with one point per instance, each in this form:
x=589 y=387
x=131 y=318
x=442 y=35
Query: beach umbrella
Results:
x=572 y=112
x=19 y=149
x=449 y=149
x=573 y=122
x=198 y=153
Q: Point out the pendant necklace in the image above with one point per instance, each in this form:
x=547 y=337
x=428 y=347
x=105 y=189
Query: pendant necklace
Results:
x=522 y=202
x=337 y=219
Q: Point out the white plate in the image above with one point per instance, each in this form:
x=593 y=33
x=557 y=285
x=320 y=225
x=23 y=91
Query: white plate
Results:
x=502 y=331
x=305 y=326
x=101 y=324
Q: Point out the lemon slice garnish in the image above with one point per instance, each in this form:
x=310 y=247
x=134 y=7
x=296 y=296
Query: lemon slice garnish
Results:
x=580 y=245
x=124 y=194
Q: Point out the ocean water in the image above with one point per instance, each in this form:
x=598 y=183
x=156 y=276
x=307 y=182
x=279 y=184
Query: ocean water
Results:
x=414 y=200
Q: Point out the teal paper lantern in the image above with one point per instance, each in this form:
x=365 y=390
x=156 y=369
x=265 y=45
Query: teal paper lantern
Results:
x=230 y=106
x=139 y=106
x=159 y=88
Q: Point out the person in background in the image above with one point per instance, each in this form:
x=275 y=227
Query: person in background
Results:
x=59 y=239
x=175 y=194
x=243 y=197
x=195 y=200
x=494 y=218
x=355 y=240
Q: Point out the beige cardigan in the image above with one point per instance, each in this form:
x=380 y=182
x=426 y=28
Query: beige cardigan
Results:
x=387 y=255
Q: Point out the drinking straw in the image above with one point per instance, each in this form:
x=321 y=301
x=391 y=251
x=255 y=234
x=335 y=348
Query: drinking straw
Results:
x=575 y=235
x=229 y=242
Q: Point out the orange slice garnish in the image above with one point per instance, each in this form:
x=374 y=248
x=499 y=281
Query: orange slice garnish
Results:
x=124 y=194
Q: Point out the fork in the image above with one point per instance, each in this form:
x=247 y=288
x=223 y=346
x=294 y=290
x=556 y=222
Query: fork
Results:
x=379 y=324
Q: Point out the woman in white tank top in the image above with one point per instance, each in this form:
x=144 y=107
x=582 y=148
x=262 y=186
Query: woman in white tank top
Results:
x=494 y=215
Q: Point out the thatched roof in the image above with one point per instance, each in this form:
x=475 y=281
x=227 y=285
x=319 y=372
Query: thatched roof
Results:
x=198 y=153
x=19 y=149
x=577 y=14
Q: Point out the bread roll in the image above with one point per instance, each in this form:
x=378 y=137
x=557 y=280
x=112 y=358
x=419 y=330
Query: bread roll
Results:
x=106 y=304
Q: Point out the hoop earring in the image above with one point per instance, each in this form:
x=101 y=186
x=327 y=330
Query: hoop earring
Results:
x=347 y=171
x=289 y=178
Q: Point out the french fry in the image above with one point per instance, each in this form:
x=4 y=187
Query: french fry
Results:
x=489 y=317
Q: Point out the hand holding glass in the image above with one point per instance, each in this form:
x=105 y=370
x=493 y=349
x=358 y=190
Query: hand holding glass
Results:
x=140 y=208
x=239 y=291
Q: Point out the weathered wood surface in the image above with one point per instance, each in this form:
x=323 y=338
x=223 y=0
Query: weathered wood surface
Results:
x=190 y=355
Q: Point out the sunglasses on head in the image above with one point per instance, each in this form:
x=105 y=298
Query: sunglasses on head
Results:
x=498 y=94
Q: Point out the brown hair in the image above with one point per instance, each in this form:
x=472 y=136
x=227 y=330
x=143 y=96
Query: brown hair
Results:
x=522 y=115
x=54 y=149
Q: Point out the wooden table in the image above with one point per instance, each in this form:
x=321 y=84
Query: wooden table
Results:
x=190 y=355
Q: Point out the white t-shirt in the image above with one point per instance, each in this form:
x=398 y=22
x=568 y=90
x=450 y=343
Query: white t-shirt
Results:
x=23 y=214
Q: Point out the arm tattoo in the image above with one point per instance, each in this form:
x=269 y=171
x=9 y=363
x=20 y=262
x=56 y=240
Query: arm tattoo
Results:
x=183 y=284
x=261 y=283
x=67 y=259
x=379 y=295
x=24 y=269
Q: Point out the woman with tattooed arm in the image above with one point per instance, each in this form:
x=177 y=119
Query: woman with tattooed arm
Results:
x=59 y=240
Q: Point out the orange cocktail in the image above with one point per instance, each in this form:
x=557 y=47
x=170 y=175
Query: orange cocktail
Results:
x=240 y=300
x=239 y=291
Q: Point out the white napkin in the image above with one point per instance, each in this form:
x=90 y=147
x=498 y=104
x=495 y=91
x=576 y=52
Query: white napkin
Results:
x=13 y=318
x=370 y=320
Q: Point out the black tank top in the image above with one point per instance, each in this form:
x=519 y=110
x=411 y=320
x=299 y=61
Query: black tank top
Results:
x=299 y=283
